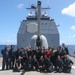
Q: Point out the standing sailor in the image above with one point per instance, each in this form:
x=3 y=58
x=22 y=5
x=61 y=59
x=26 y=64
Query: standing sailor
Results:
x=11 y=57
x=66 y=49
x=63 y=53
x=5 y=54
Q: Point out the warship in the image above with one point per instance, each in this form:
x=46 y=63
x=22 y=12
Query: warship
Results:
x=39 y=29
x=34 y=31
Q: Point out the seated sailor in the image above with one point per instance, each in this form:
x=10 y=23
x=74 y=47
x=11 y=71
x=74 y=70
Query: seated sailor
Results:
x=41 y=63
x=34 y=63
x=28 y=64
x=59 y=64
x=47 y=64
x=67 y=64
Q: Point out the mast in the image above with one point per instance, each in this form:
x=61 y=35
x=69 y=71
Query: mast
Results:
x=38 y=41
x=39 y=13
x=37 y=9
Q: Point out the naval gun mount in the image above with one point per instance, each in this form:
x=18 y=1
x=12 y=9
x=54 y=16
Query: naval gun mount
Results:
x=38 y=42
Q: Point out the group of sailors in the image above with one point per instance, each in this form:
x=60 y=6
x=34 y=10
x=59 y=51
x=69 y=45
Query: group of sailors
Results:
x=39 y=59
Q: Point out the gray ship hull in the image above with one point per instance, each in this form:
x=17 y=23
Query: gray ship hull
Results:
x=47 y=28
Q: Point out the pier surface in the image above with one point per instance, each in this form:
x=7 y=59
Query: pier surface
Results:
x=10 y=72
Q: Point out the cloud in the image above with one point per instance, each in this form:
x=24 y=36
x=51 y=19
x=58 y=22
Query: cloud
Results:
x=20 y=6
x=70 y=10
x=73 y=28
x=12 y=39
x=73 y=36
x=48 y=1
x=8 y=41
x=13 y=36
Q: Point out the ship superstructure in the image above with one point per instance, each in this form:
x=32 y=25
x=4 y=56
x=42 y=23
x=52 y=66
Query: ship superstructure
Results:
x=38 y=25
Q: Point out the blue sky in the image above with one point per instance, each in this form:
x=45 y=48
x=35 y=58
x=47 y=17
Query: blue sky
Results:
x=12 y=12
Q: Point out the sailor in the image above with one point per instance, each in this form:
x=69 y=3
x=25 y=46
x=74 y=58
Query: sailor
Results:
x=53 y=57
x=24 y=54
x=41 y=63
x=36 y=52
x=18 y=60
x=58 y=52
x=66 y=49
x=5 y=54
x=34 y=63
x=40 y=53
x=63 y=53
x=21 y=57
x=59 y=64
x=47 y=64
x=11 y=57
x=47 y=53
x=28 y=64
x=67 y=64
x=30 y=51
